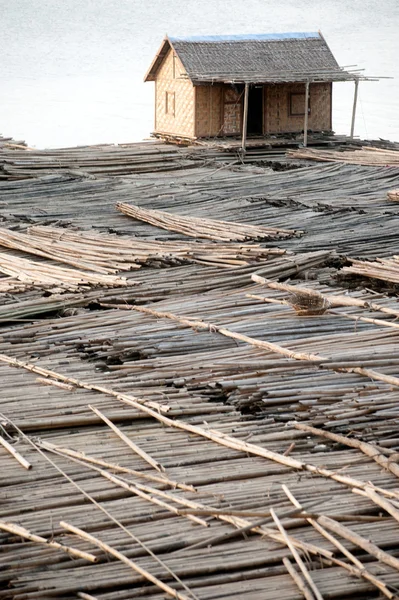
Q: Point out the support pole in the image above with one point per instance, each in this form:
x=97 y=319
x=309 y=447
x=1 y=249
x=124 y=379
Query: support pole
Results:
x=305 y=126
x=245 y=120
x=354 y=108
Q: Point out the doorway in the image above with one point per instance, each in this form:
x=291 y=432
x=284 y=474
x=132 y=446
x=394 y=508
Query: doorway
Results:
x=255 y=110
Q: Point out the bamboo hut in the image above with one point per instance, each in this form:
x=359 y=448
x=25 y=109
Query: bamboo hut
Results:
x=245 y=85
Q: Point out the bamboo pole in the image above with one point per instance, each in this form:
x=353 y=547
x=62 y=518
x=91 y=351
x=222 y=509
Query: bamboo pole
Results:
x=11 y=450
x=100 y=507
x=119 y=556
x=46 y=373
x=296 y=556
x=360 y=541
x=245 y=120
x=315 y=358
x=150 y=497
x=334 y=300
x=299 y=582
x=127 y=441
x=84 y=458
x=368 y=449
x=382 y=502
x=305 y=126
x=354 y=109
x=235 y=444
x=358 y=569
x=24 y=533
x=195 y=324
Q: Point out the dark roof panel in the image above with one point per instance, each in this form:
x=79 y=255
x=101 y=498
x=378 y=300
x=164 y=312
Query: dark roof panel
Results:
x=254 y=58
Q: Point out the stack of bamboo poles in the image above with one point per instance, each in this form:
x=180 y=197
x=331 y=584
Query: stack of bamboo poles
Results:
x=367 y=156
x=45 y=275
x=204 y=228
x=385 y=269
x=106 y=253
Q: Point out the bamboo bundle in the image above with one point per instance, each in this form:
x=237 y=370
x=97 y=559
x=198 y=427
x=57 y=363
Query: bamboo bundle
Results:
x=204 y=228
x=49 y=276
x=106 y=254
x=385 y=269
x=367 y=156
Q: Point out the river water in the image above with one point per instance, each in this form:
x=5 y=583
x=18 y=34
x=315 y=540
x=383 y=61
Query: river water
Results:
x=72 y=70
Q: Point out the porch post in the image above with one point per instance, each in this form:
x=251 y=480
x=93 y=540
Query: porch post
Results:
x=245 y=119
x=354 y=108
x=305 y=126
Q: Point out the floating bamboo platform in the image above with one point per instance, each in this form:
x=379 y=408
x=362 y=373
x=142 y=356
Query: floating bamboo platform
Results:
x=366 y=155
x=225 y=423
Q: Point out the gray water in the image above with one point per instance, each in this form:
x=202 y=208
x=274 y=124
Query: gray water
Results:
x=72 y=70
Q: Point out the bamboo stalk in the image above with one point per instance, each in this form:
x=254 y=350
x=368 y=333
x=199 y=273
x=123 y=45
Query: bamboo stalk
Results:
x=47 y=374
x=296 y=556
x=195 y=324
x=81 y=457
x=118 y=555
x=127 y=441
x=135 y=489
x=367 y=449
x=24 y=533
x=316 y=358
x=360 y=541
x=11 y=450
x=359 y=568
x=100 y=507
x=382 y=502
x=299 y=582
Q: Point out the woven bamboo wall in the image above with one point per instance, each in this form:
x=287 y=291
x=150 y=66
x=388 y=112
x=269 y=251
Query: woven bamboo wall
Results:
x=179 y=120
x=277 y=107
x=208 y=110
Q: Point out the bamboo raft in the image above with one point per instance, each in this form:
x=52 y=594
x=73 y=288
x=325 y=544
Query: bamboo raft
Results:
x=199 y=432
x=340 y=207
x=366 y=156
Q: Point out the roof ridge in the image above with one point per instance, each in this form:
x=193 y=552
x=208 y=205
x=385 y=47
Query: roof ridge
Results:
x=247 y=37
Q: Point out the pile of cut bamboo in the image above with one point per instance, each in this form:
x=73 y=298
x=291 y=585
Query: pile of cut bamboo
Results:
x=386 y=269
x=107 y=254
x=204 y=228
x=367 y=156
x=47 y=276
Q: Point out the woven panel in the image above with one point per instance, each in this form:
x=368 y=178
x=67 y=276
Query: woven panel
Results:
x=179 y=121
x=279 y=104
x=208 y=111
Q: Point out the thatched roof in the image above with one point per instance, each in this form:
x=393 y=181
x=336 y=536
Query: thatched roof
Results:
x=249 y=58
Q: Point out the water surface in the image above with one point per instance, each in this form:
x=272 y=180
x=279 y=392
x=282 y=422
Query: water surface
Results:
x=72 y=70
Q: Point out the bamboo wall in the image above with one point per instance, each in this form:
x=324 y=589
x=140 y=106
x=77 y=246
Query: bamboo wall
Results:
x=208 y=110
x=277 y=118
x=200 y=111
x=169 y=80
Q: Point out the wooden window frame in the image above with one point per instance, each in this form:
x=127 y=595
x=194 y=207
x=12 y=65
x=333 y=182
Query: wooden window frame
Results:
x=300 y=114
x=170 y=103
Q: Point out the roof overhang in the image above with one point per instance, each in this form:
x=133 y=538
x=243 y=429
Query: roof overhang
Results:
x=159 y=57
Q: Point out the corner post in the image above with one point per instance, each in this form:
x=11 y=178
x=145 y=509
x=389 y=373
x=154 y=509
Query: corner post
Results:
x=305 y=126
x=354 y=108
x=245 y=120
